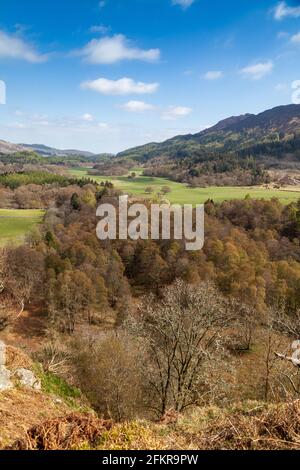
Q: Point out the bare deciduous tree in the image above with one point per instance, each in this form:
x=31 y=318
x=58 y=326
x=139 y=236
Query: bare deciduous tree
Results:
x=108 y=372
x=180 y=332
x=289 y=325
x=21 y=276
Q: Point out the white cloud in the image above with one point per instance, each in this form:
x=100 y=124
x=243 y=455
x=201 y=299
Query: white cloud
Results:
x=213 y=75
x=99 y=28
x=123 y=86
x=257 y=71
x=175 y=112
x=109 y=50
x=88 y=117
x=183 y=3
x=296 y=38
x=14 y=47
x=137 y=106
x=282 y=11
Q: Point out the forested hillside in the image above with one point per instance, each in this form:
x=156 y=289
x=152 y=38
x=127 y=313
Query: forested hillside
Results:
x=237 y=150
x=235 y=134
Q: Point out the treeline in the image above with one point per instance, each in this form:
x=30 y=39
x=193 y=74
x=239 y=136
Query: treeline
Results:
x=29 y=157
x=75 y=160
x=15 y=180
x=22 y=158
x=213 y=170
x=36 y=196
x=112 y=167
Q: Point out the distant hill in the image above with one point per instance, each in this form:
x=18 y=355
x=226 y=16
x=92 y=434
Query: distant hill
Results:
x=43 y=150
x=46 y=151
x=275 y=127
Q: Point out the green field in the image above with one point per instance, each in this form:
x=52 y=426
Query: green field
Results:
x=15 y=224
x=182 y=194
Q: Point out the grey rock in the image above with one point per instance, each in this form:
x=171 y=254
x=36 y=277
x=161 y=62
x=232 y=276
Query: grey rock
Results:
x=2 y=354
x=28 y=379
x=5 y=382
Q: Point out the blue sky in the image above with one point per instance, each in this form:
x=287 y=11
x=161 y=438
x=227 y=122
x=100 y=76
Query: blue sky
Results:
x=107 y=75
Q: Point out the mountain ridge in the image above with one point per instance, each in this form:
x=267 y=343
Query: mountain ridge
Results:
x=230 y=134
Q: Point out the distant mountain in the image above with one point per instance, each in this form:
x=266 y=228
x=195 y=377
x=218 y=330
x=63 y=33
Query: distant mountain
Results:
x=46 y=151
x=43 y=150
x=279 y=125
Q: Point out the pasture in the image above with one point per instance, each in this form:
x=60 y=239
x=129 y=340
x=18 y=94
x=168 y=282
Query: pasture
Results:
x=182 y=194
x=16 y=223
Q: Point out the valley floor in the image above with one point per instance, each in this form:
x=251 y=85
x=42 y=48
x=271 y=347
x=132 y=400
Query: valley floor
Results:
x=183 y=194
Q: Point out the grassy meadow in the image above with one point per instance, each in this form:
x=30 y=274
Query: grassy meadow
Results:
x=182 y=194
x=16 y=223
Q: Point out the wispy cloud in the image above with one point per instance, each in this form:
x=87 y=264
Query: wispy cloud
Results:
x=170 y=113
x=176 y=112
x=257 y=71
x=282 y=10
x=183 y=3
x=14 y=47
x=123 y=86
x=137 y=106
x=103 y=125
x=282 y=87
x=109 y=50
x=296 y=38
x=27 y=121
x=213 y=75
x=282 y=35
x=99 y=28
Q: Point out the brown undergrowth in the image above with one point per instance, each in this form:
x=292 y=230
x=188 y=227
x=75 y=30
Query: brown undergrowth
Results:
x=63 y=433
x=256 y=427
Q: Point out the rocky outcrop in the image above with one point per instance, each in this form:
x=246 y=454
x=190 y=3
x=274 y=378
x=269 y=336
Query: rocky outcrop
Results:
x=5 y=379
x=5 y=374
x=21 y=376
x=2 y=354
x=27 y=379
